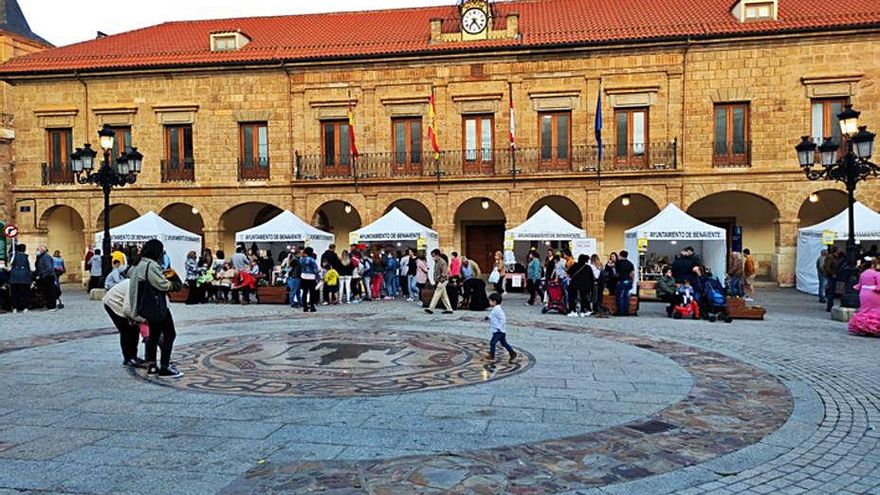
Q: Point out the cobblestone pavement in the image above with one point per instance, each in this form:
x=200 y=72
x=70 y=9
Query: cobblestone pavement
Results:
x=72 y=421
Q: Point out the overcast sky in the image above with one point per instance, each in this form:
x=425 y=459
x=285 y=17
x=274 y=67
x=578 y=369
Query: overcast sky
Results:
x=63 y=22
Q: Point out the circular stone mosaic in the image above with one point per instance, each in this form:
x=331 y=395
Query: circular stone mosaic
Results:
x=336 y=363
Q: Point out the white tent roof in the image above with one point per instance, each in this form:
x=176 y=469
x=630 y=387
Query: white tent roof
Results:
x=150 y=226
x=394 y=226
x=285 y=227
x=545 y=225
x=674 y=224
x=867 y=223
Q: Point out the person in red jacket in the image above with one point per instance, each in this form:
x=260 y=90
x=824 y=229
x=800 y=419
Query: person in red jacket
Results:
x=243 y=283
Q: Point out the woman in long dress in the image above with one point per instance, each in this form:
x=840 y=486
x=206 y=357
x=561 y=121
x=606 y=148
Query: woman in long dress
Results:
x=867 y=320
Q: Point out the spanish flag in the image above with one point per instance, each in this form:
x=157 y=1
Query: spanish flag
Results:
x=354 y=149
x=432 y=133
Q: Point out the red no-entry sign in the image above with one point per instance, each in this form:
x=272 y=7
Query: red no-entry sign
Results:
x=10 y=231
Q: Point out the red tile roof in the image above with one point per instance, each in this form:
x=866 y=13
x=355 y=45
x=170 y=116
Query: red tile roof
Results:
x=407 y=31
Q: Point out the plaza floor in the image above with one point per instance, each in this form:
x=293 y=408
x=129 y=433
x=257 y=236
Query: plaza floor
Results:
x=383 y=398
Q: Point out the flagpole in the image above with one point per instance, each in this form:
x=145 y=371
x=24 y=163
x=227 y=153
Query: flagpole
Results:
x=512 y=134
x=352 y=145
x=598 y=131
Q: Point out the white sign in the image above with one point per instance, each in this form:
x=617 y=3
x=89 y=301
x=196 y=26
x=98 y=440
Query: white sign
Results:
x=509 y=258
x=584 y=245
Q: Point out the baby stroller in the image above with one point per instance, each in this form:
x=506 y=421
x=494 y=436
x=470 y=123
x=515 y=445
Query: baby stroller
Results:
x=714 y=302
x=555 y=298
x=685 y=304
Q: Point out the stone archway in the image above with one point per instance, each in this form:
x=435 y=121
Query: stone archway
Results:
x=623 y=213
x=415 y=210
x=242 y=217
x=564 y=207
x=120 y=214
x=65 y=231
x=185 y=216
x=479 y=229
x=751 y=223
x=340 y=218
x=829 y=202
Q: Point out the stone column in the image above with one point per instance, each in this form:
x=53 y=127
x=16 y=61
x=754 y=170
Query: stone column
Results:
x=594 y=220
x=213 y=240
x=784 y=261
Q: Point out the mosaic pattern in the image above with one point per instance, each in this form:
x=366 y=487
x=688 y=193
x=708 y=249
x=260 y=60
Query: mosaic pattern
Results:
x=731 y=405
x=337 y=363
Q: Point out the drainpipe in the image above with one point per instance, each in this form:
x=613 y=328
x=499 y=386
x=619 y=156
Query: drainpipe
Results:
x=683 y=141
x=86 y=91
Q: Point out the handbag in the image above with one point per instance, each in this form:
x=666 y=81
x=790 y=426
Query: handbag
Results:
x=152 y=305
x=494 y=277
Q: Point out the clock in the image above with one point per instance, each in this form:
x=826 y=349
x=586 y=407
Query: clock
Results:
x=474 y=21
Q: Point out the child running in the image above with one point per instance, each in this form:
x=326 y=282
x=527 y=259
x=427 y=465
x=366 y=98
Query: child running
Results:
x=498 y=326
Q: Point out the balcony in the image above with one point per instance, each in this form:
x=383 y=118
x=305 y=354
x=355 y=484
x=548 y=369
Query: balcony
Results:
x=253 y=168
x=500 y=163
x=52 y=173
x=732 y=155
x=178 y=171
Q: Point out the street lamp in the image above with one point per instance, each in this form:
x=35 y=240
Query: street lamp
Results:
x=123 y=170
x=851 y=168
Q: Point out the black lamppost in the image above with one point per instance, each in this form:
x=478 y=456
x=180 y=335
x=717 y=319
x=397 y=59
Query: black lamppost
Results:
x=118 y=173
x=851 y=168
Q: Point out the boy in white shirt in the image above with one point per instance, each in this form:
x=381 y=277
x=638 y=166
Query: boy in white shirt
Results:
x=498 y=327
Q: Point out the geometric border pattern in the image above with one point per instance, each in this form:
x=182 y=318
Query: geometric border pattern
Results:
x=731 y=405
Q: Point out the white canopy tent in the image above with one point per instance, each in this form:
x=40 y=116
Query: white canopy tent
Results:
x=544 y=225
x=283 y=230
x=810 y=243
x=178 y=242
x=671 y=230
x=396 y=226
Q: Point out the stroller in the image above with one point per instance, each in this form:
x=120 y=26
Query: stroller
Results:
x=686 y=305
x=714 y=302
x=555 y=298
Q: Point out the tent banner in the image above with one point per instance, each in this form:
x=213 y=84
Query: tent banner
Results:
x=390 y=236
x=269 y=238
x=531 y=236
x=696 y=235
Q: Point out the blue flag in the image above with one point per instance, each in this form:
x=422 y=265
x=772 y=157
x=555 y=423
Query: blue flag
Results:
x=598 y=127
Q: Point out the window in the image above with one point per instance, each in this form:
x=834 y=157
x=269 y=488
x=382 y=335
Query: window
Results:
x=224 y=43
x=228 y=41
x=631 y=131
x=59 y=149
x=759 y=11
x=337 y=146
x=407 y=144
x=824 y=119
x=122 y=141
x=478 y=142
x=555 y=139
x=179 y=164
x=731 y=134
x=254 y=150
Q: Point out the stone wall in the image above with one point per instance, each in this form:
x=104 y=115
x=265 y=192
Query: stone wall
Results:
x=680 y=84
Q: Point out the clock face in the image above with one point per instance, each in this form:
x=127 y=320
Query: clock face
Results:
x=474 y=21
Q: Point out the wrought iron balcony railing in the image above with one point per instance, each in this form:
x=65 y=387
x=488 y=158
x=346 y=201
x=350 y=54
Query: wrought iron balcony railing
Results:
x=732 y=155
x=254 y=168
x=519 y=162
x=178 y=170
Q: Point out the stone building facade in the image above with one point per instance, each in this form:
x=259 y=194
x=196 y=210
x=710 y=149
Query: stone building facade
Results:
x=16 y=39
x=664 y=93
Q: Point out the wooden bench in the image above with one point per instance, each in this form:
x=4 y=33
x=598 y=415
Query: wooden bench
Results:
x=610 y=302
x=648 y=291
x=738 y=310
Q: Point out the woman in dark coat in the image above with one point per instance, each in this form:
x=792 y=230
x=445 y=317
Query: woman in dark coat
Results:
x=580 y=287
x=20 y=279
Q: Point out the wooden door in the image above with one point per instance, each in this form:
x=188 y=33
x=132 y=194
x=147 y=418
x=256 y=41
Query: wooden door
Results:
x=481 y=242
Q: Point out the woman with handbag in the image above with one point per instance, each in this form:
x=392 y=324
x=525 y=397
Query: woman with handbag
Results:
x=309 y=278
x=499 y=271
x=148 y=294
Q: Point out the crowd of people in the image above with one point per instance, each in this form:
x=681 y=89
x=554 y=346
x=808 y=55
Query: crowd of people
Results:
x=19 y=284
